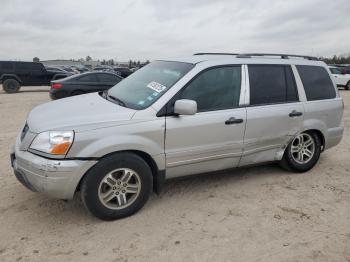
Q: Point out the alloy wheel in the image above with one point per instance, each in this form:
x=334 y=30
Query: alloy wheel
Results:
x=303 y=148
x=119 y=188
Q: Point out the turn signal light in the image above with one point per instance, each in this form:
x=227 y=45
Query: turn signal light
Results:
x=61 y=149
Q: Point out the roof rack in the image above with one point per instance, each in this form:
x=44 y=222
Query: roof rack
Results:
x=249 y=55
x=215 y=54
x=283 y=56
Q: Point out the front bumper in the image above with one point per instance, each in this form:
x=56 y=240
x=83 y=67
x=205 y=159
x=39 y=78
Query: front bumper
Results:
x=56 y=178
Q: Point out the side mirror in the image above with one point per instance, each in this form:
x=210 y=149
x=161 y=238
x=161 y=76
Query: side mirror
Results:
x=185 y=107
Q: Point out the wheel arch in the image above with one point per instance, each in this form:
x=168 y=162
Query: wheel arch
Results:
x=158 y=176
x=10 y=76
x=318 y=132
x=320 y=135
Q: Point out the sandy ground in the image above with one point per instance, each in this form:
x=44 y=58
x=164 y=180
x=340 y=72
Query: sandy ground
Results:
x=253 y=214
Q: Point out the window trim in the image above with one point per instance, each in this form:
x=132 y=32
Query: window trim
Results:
x=164 y=110
x=285 y=74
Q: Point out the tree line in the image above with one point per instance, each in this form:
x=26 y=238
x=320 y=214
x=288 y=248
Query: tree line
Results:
x=336 y=59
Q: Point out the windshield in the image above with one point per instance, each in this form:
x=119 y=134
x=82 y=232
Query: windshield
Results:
x=145 y=86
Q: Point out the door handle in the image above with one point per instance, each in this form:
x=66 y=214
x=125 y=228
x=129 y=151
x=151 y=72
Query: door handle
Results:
x=295 y=113
x=233 y=120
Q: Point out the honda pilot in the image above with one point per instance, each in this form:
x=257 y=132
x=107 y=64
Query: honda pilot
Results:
x=178 y=117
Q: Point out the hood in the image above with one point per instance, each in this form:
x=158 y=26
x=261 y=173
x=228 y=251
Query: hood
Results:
x=78 y=113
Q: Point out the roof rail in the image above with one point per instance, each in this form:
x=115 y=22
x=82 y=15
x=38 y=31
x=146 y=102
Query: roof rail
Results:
x=283 y=56
x=215 y=54
x=249 y=55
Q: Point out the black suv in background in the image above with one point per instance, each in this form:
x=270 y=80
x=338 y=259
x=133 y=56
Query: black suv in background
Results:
x=15 y=74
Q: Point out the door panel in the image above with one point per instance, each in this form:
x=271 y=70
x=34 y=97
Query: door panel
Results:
x=203 y=142
x=268 y=129
x=275 y=114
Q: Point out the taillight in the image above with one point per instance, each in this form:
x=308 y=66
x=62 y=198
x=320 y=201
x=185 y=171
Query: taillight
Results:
x=56 y=86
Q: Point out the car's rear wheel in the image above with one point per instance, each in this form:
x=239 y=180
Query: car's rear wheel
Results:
x=11 y=86
x=302 y=153
x=117 y=186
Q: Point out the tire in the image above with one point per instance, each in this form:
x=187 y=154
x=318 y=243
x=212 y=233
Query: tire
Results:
x=108 y=200
x=347 y=87
x=77 y=92
x=291 y=159
x=11 y=86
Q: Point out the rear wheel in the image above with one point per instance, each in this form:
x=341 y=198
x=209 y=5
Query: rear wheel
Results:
x=117 y=186
x=347 y=87
x=302 y=153
x=11 y=86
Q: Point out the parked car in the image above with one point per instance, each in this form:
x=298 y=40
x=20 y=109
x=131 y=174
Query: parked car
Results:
x=134 y=69
x=123 y=71
x=341 y=79
x=174 y=118
x=15 y=74
x=344 y=68
x=70 y=69
x=103 y=69
x=81 y=69
x=83 y=83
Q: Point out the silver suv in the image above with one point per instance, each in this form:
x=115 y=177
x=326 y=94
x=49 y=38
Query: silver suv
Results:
x=197 y=114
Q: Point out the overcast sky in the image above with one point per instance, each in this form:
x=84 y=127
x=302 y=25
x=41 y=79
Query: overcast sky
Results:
x=152 y=29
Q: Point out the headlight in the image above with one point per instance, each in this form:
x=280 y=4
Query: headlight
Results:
x=53 y=142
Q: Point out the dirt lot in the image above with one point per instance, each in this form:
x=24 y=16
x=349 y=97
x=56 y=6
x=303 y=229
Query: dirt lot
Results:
x=253 y=214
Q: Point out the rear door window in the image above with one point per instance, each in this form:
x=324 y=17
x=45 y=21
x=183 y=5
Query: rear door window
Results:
x=271 y=84
x=88 y=78
x=108 y=78
x=317 y=82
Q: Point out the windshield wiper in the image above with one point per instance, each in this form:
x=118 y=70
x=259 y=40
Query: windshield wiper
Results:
x=116 y=99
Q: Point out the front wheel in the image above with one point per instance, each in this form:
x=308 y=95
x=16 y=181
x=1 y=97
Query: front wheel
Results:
x=302 y=153
x=117 y=186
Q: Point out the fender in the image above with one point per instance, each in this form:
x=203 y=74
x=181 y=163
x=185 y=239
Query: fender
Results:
x=10 y=76
x=310 y=124
x=114 y=143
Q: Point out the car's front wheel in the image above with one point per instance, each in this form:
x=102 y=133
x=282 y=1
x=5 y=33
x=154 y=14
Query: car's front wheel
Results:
x=117 y=186
x=302 y=153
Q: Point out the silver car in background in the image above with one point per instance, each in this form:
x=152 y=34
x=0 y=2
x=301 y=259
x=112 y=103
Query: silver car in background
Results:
x=197 y=114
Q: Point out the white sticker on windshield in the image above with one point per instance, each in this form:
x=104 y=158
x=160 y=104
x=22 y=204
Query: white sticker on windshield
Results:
x=156 y=87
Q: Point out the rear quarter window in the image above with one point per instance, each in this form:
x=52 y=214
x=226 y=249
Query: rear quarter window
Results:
x=6 y=65
x=317 y=82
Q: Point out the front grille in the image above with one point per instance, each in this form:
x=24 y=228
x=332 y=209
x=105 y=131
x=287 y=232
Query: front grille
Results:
x=24 y=131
